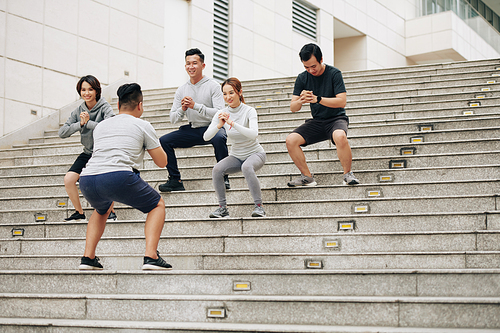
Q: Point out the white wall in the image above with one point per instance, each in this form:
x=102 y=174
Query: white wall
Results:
x=47 y=45
x=444 y=37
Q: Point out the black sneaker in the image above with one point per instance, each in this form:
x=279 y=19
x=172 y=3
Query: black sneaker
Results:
x=75 y=217
x=90 y=264
x=172 y=185
x=112 y=217
x=226 y=182
x=151 y=264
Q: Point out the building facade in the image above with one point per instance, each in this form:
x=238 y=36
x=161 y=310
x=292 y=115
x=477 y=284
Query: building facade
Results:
x=46 y=45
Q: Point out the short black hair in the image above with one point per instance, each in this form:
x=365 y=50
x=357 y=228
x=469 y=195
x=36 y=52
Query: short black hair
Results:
x=94 y=83
x=197 y=52
x=310 y=50
x=129 y=95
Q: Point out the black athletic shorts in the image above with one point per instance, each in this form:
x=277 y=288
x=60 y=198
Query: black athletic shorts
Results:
x=80 y=163
x=316 y=130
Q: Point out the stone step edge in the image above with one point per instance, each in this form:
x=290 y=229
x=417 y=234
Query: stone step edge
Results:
x=221 y=327
x=284 y=235
x=401 y=144
x=311 y=255
x=263 y=188
x=229 y=219
x=285 y=202
x=262 y=298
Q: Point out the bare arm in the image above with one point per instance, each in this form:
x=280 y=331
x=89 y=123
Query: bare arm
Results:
x=339 y=101
x=159 y=157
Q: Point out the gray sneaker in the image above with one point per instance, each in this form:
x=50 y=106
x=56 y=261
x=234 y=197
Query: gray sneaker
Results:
x=350 y=179
x=258 y=211
x=303 y=181
x=220 y=212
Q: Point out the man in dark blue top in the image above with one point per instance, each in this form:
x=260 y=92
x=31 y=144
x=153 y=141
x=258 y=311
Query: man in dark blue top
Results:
x=322 y=86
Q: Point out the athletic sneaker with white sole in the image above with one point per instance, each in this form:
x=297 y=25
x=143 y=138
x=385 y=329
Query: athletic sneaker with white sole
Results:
x=220 y=212
x=87 y=264
x=155 y=264
x=350 y=179
x=303 y=181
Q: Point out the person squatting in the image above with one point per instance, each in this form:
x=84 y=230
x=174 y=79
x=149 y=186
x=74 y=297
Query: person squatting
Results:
x=119 y=142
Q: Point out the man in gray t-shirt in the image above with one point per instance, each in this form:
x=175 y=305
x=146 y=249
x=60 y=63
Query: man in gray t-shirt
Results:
x=199 y=99
x=111 y=176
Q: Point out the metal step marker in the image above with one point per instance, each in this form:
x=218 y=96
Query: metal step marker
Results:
x=491 y=82
x=241 y=286
x=408 y=151
x=474 y=104
x=468 y=113
x=397 y=164
x=346 y=225
x=485 y=89
x=495 y=74
x=216 y=313
x=313 y=264
x=480 y=96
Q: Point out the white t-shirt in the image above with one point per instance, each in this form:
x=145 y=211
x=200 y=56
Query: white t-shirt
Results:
x=119 y=144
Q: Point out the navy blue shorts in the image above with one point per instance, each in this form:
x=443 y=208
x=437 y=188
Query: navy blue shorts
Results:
x=316 y=130
x=121 y=186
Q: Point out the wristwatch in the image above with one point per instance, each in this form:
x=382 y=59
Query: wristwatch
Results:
x=318 y=99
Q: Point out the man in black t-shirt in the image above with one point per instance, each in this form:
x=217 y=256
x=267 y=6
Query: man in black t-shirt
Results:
x=323 y=88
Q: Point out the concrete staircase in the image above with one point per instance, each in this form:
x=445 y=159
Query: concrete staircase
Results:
x=414 y=248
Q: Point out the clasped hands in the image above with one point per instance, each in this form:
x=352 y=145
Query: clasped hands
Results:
x=84 y=118
x=223 y=119
x=187 y=102
x=307 y=96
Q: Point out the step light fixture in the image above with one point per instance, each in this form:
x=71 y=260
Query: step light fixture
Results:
x=468 y=113
x=331 y=244
x=397 y=164
x=408 y=151
x=313 y=264
x=485 y=89
x=417 y=139
x=480 y=96
x=386 y=178
x=216 y=313
x=61 y=204
x=360 y=208
x=491 y=82
x=346 y=225
x=474 y=104
x=17 y=232
x=426 y=128
x=241 y=286
x=374 y=193
x=39 y=217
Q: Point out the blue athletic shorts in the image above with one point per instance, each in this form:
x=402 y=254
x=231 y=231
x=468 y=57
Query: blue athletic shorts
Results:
x=126 y=187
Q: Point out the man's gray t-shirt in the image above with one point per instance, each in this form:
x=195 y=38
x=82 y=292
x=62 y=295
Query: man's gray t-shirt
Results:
x=119 y=144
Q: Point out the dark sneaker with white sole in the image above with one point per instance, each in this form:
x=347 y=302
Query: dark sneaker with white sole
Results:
x=76 y=216
x=155 y=264
x=112 y=217
x=87 y=264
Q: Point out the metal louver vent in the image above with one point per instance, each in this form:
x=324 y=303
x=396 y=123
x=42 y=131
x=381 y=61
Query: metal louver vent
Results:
x=304 y=19
x=221 y=39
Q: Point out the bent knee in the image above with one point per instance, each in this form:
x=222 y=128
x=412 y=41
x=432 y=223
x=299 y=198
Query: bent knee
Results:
x=294 y=139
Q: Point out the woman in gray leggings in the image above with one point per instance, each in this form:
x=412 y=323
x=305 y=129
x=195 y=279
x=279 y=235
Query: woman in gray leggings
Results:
x=247 y=155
